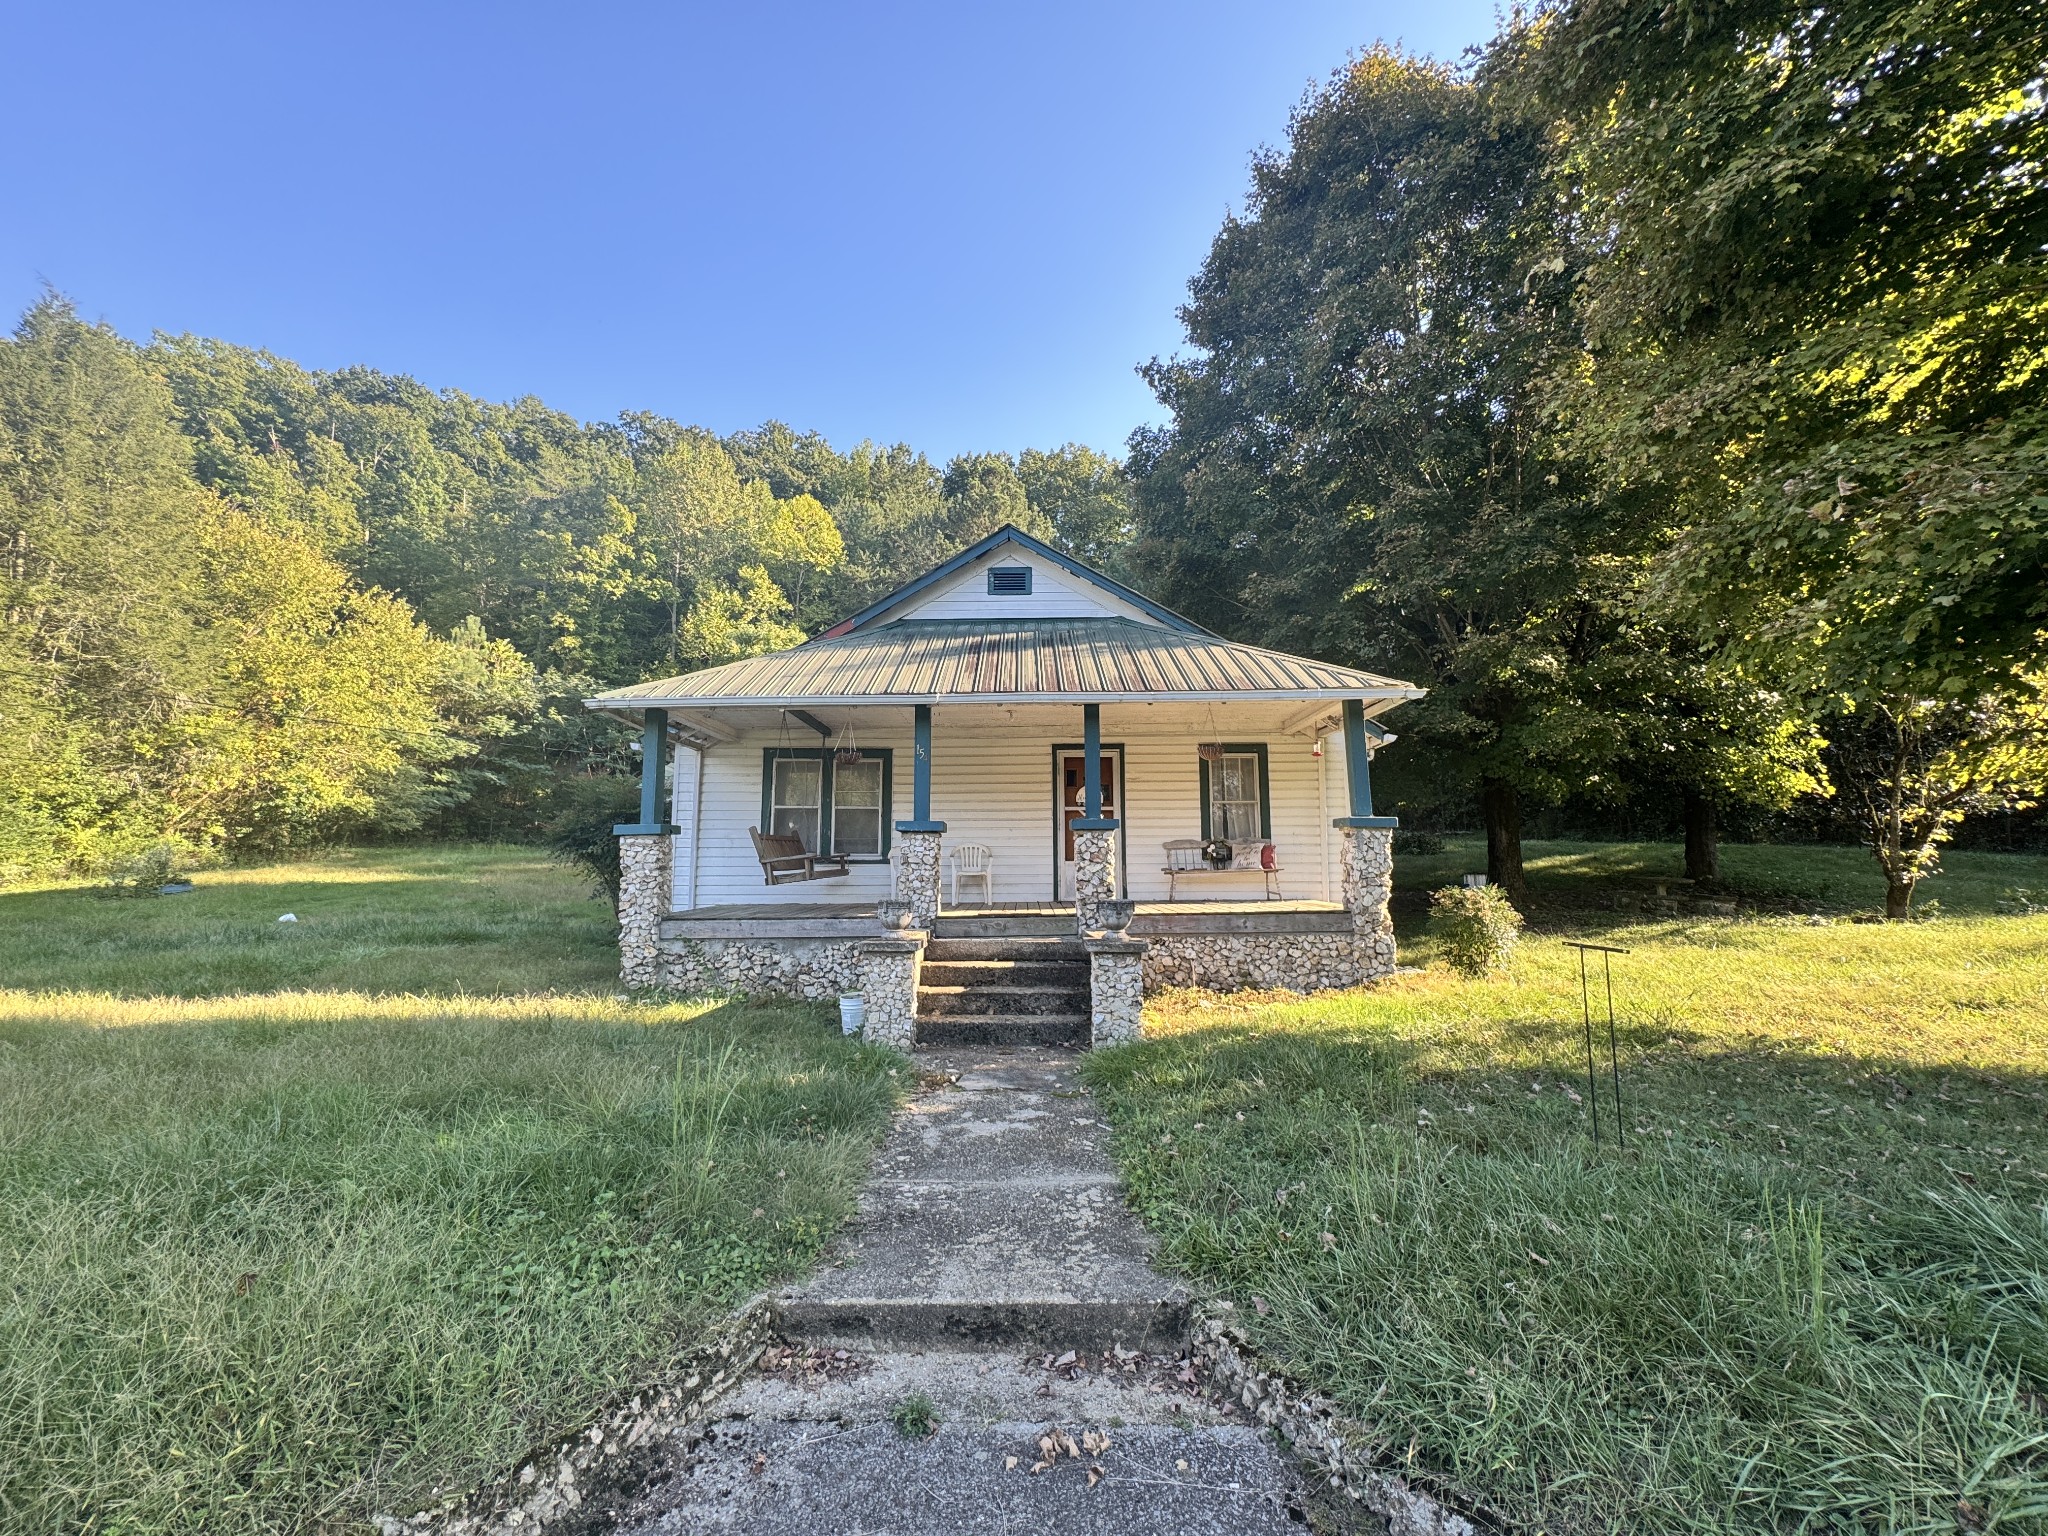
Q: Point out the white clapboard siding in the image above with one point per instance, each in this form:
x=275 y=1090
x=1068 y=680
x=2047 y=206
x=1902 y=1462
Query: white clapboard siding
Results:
x=727 y=868
x=1055 y=594
x=992 y=783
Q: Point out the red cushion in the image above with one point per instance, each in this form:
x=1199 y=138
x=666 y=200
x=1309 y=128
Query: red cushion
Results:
x=1268 y=857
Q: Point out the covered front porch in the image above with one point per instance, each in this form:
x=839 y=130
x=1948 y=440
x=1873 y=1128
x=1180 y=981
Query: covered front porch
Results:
x=1159 y=805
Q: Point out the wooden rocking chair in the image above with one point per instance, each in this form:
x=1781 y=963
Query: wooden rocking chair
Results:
x=783 y=859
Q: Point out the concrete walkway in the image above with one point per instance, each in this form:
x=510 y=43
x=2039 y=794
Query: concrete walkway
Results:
x=995 y=1277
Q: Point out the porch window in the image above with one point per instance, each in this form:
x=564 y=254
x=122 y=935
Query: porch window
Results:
x=857 y=809
x=807 y=793
x=796 y=798
x=1236 y=802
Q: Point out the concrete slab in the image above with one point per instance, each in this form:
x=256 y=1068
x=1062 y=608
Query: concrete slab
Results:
x=770 y=1478
x=983 y=1388
x=993 y=1216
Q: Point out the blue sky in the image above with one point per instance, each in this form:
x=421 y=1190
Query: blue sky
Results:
x=955 y=225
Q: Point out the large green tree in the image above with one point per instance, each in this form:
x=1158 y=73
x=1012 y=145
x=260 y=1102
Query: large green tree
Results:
x=1814 y=241
x=1360 y=464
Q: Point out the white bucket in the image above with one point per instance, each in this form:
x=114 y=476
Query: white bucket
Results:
x=853 y=1009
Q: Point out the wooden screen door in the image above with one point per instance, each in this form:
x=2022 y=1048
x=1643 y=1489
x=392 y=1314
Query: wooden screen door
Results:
x=1073 y=767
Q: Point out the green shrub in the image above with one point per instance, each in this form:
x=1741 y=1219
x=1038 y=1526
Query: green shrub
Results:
x=1477 y=925
x=581 y=836
x=1418 y=845
x=143 y=873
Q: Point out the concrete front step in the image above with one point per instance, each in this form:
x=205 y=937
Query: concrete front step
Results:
x=1034 y=972
x=1046 y=948
x=985 y=998
x=993 y=1219
x=1000 y=927
x=759 y=1476
x=1038 y=1029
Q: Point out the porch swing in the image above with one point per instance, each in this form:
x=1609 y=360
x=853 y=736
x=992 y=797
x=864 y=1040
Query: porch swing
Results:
x=783 y=857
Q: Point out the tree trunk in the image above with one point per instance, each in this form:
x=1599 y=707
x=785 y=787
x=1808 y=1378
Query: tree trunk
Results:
x=1702 y=837
x=1898 y=900
x=1500 y=807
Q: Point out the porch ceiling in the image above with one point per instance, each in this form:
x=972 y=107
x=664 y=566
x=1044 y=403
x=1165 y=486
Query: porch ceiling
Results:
x=1027 y=661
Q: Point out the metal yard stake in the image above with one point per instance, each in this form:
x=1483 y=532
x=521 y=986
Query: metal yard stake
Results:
x=1606 y=953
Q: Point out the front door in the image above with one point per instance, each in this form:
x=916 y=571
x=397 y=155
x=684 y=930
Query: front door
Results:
x=1072 y=776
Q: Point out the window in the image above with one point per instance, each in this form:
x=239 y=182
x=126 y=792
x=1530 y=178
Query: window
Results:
x=808 y=794
x=1236 y=804
x=857 y=808
x=796 y=798
x=1009 y=581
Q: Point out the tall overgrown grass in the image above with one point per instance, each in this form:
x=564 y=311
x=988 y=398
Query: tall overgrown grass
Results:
x=272 y=1261
x=1806 y=1295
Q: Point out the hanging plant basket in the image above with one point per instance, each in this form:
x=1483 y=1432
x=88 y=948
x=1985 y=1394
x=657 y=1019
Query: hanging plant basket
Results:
x=1210 y=751
x=846 y=752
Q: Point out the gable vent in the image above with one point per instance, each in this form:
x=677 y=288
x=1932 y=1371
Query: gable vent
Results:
x=1009 y=581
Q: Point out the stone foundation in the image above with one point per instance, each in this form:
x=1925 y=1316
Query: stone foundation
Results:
x=645 y=865
x=1235 y=962
x=809 y=968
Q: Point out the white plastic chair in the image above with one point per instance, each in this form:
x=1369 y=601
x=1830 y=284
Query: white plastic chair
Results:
x=972 y=861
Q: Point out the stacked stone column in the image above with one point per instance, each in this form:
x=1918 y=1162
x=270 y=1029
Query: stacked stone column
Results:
x=1094 y=876
x=889 y=968
x=1116 y=988
x=645 y=873
x=1368 y=881
x=917 y=875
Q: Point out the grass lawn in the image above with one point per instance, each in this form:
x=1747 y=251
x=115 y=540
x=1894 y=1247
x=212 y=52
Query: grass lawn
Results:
x=298 y=1221
x=1809 y=1293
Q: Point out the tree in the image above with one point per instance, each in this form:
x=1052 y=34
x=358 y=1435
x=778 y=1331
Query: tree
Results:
x=1085 y=498
x=1914 y=772
x=801 y=545
x=1815 y=242
x=1358 y=465
x=177 y=664
x=982 y=493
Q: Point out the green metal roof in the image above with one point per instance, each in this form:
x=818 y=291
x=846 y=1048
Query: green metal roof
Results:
x=1021 y=661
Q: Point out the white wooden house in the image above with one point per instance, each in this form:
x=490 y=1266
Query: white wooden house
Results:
x=1002 y=745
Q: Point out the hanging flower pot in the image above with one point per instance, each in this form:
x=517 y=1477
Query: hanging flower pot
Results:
x=1210 y=751
x=846 y=751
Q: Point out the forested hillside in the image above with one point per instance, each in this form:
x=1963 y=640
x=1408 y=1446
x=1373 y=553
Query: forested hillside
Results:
x=1661 y=390
x=250 y=607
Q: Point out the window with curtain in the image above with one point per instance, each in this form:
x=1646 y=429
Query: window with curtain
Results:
x=857 y=808
x=796 y=799
x=1235 y=803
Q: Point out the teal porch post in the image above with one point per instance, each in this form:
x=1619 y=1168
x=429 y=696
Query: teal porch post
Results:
x=653 y=820
x=921 y=774
x=1358 y=770
x=1091 y=818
